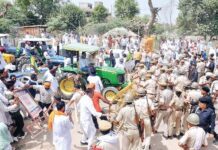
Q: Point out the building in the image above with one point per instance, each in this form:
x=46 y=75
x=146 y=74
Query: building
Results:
x=34 y=30
x=87 y=8
x=98 y=3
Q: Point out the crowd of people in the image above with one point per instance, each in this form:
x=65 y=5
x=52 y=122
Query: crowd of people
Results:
x=176 y=86
x=116 y=42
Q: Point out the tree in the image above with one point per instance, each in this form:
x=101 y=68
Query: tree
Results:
x=207 y=18
x=37 y=11
x=154 y=11
x=99 y=14
x=126 y=8
x=5 y=25
x=69 y=17
x=198 y=17
x=186 y=20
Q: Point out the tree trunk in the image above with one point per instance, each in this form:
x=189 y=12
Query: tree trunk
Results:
x=154 y=11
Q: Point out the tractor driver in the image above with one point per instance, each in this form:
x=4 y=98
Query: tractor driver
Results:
x=84 y=62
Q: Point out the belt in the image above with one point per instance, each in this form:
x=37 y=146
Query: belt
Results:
x=178 y=109
x=163 y=109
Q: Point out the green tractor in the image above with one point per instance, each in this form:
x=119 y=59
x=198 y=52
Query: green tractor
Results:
x=113 y=79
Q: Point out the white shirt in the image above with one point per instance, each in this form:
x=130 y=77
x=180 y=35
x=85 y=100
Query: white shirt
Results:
x=45 y=95
x=18 y=84
x=49 y=77
x=4 y=109
x=87 y=109
x=97 y=81
x=61 y=132
x=2 y=62
x=3 y=87
x=193 y=137
x=119 y=65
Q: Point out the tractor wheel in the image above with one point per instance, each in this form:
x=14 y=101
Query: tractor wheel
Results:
x=110 y=93
x=66 y=87
x=22 y=62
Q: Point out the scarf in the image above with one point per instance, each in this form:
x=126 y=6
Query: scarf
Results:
x=5 y=137
x=51 y=118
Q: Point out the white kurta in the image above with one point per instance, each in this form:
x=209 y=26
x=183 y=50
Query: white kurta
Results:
x=97 y=81
x=49 y=77
x=86 y=111
x=4 y=109
x=2 y=62
x=61 y=132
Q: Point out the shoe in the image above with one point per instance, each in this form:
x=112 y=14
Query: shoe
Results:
x=178 y=137
x=215 y=142
x=83 y=143
x=22 y=137
x=15 y=139
x=154 y=131
x=167 y=137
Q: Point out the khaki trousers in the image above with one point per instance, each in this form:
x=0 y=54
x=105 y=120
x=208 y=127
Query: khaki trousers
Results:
x=175 y=122
x=184 y=122
x=163 y=115
x=130 y=140
x=147 y=133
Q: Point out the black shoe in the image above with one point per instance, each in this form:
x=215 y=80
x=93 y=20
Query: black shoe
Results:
x=175 y=136
x=167 y=137
x=215 y=142
x=83 y=143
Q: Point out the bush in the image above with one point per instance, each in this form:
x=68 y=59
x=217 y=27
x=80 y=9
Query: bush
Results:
x=136 y=25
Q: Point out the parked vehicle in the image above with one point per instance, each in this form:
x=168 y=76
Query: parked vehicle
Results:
x=113 y=79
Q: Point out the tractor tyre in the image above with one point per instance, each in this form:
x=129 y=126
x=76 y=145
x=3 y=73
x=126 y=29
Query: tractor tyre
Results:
x=22 y=62
x=66 y=87
x=110 y=93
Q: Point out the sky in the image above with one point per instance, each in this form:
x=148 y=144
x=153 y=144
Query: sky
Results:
x=168 y=13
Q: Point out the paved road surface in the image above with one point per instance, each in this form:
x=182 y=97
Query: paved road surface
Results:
x=44 y=142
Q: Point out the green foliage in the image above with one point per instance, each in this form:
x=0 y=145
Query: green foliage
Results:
x=68 y=18
x=5 y=25
x=99 y=14
x=56 y=23
x=126 y=8
x=136 y=25
x=37 y=11
x=198 y=17
x=207 y=18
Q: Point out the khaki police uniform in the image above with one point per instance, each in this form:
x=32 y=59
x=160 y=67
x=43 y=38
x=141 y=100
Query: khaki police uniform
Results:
x=191 y=135
x=129 y=138
x=177 y=105
x=164 y=111
x=143 y=106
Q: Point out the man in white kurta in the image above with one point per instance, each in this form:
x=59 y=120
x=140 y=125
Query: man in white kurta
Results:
x=4 y=108
x=61 y=130
x=49 y=77
x=86 y=111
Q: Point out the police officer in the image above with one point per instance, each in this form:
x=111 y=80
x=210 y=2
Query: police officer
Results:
x=164 y=98
x=177 y=105
x=109 y=140
x=145 y=108
x=126 y=116
x=205 y=91
x=195 y=137
x=206 y=115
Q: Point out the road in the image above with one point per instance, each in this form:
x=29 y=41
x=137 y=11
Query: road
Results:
x=44 y=141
